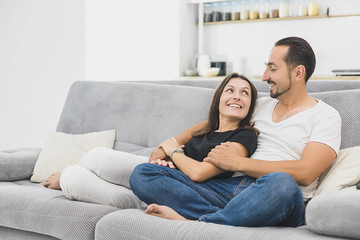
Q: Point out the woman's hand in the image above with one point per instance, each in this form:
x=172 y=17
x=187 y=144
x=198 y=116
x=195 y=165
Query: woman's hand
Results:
x=158 y=153
x=164 y=163
x=159 y=157
x=169 y=145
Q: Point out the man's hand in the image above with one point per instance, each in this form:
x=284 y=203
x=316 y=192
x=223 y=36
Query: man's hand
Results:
x=227 y=156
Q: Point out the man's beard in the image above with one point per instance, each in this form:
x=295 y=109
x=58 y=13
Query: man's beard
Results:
x=278 y=93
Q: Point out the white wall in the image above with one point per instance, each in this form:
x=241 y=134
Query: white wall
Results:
x=41 y=55
x=334 y=40
x=47 y=45
x=128 y=40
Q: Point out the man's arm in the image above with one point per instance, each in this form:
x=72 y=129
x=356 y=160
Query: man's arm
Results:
x=315 y=159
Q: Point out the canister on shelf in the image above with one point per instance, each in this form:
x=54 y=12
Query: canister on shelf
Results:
x=235 y=10
x=207 y=12
x=284 y=8
x=216 y=12
x=254 y=9
x=313 y=8
x=225 y=11
x=274 y=9
x=302 y=8
x=264 y=9
x=244 y=15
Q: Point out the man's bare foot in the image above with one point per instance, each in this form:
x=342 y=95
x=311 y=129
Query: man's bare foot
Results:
x=53 y=181
x=164 y=212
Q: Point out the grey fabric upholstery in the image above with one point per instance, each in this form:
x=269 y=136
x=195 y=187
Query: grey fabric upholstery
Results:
x=312 y=85
x=14 y=234
x=155 y=111
x=324 y=212
x=32 y=207
x=138 y=225
x=17 y=164
x=346 y=102
x=143 y=114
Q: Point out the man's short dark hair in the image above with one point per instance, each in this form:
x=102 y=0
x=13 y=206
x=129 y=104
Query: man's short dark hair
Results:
x=299 y=53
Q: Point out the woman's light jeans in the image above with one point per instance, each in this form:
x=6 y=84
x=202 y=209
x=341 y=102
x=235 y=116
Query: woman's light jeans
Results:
x=102 y=176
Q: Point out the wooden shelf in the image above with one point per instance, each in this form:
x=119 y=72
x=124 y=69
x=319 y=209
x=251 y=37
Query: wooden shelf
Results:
x=205 y=1
x=217 y=78
x=279 y=19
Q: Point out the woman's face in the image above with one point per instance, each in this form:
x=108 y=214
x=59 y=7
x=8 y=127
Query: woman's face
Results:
x=235 y=100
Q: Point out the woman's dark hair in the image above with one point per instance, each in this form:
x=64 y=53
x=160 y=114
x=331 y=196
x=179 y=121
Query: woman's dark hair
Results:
x=213 y=120
x=299 y=53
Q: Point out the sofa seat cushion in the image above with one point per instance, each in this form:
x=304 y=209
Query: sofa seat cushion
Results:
x=34 y=208
x=15 y=234
x=336 y=213
x=135 y=224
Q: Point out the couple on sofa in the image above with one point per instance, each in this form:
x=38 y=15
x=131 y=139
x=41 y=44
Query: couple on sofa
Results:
x=296 y=139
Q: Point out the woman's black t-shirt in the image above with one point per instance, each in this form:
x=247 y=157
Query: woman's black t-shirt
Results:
x=199 y=147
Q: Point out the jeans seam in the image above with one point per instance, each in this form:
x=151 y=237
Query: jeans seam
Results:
x=241 y=184
x=163 y=172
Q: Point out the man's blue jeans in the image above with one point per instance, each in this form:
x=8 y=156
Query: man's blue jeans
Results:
x=271 y=200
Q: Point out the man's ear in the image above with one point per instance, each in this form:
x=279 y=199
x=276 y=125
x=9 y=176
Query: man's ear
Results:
x=300 y=72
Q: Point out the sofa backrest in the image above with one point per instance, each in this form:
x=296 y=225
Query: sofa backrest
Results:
x=312 y=85
x=347 y=103
x=145 y=114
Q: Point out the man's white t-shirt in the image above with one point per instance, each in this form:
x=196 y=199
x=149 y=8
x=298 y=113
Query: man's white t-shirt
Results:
x=287 y=139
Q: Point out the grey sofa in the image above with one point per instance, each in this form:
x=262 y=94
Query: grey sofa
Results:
x=144 y=114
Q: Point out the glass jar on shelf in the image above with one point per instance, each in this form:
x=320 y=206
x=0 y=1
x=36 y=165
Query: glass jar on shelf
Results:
x=283 y=8
x=216 y=12
x=225 y=11
x=313 y=8
x=207 y=12
x=264 y=9
x=273 y=8
x=244 y=14
x=293 y=7
x=302 y=8
x=235 y=10
x=254 y=9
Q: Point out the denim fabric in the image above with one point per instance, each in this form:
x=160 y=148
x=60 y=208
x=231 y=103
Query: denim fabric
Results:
x=271 y=200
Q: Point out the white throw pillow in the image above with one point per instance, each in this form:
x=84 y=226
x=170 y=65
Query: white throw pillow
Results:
x=344 y=172
x=61 y=150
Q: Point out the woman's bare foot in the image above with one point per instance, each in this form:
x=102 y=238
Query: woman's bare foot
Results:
x=164 y=212
x=53 y=181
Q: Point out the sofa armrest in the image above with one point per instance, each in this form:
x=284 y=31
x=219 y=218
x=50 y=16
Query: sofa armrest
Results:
x=335 y=213
x=18 y=164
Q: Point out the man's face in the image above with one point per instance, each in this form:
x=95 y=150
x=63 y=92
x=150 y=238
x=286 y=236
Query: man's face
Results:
x=277 y=74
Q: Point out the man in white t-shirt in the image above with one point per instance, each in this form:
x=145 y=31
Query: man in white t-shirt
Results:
x=299 y=139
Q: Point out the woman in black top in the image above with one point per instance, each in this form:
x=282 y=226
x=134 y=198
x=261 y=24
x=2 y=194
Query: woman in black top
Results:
x=229 y=122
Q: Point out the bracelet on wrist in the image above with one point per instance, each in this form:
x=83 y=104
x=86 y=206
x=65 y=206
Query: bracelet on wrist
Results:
x=179 y=150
